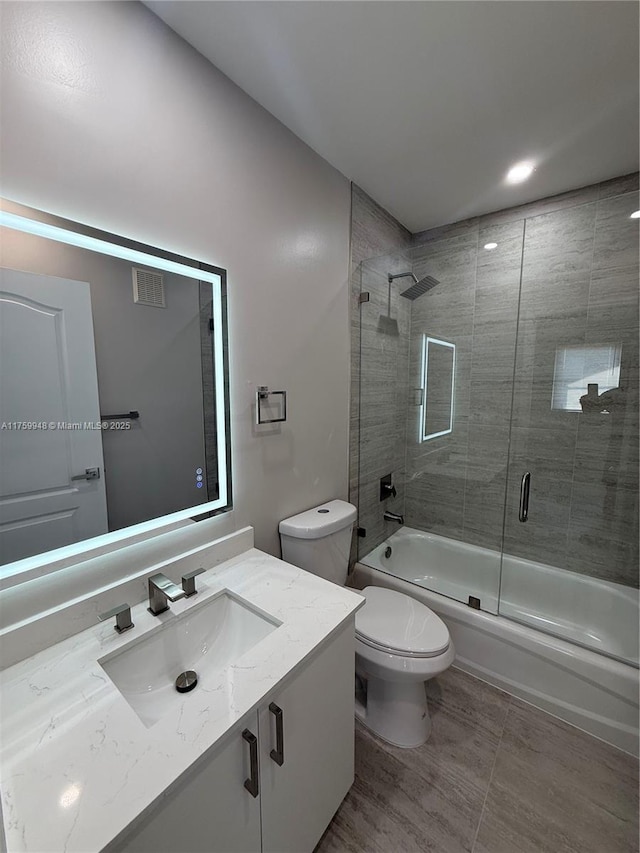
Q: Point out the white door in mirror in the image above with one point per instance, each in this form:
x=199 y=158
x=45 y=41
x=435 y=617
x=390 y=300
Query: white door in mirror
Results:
x=49 y=416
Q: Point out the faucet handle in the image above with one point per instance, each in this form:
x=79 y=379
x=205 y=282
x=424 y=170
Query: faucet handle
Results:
x=189 y=582
x=122 y=612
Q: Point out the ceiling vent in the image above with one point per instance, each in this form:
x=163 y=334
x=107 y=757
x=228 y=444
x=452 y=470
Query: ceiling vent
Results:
x=148 y=288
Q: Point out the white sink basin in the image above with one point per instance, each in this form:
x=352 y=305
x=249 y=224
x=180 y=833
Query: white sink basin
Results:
x=206 y=638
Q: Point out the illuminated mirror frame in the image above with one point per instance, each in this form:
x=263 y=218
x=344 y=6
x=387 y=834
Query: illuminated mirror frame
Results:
x=40 y=224
x=426 y=340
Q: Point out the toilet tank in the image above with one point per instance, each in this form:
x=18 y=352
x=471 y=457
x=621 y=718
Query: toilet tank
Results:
x=319 y=540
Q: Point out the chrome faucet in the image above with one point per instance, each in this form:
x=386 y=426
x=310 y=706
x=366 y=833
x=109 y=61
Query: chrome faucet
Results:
x=123 y=617
x=393 y=516
x=161 y=592
x=189 y=582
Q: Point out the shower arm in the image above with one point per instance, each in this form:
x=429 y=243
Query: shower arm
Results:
x=402 y=275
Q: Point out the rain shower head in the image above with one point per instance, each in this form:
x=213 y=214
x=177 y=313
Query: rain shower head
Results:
x=421 y=285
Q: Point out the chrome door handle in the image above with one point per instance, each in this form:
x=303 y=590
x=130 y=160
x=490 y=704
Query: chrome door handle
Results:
x=277 y=754
x=251 y=784
x=525 y=487
x=89 y=474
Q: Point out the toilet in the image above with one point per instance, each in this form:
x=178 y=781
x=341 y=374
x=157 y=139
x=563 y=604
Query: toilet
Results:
x=400 y=643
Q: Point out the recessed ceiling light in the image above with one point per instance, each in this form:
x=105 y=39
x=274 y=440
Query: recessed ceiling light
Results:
x=491 y=245
x=520 y=172
x=635 y=214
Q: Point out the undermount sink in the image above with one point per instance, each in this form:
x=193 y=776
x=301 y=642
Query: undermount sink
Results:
x=207 y=638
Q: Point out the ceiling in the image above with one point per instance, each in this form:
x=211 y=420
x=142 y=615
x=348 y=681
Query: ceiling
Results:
x=426 y=105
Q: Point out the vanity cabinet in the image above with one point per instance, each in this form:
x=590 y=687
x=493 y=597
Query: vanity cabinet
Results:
x=303 y=767
x=208 y=809
x=300 y=797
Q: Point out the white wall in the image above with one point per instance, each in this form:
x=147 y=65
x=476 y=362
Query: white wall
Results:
x=110 y=119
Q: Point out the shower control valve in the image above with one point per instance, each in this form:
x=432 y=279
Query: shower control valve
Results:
x=387 y=489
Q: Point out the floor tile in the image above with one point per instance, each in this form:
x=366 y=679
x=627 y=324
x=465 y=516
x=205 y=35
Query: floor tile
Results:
x=496 y=776
x=429 y=808
x=474 y=701
x=428 y=798
x=557 y=789
x=358 y=827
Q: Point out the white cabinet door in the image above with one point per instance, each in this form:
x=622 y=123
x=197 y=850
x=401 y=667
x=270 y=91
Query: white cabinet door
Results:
x=46 y=346
x=209 y=810
x=300 y=797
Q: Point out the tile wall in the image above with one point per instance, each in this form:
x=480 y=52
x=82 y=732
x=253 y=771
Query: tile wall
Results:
x=379 y=245
x=578 y=257
x=579 y=292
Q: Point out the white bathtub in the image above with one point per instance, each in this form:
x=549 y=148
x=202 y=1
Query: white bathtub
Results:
x=583 y=686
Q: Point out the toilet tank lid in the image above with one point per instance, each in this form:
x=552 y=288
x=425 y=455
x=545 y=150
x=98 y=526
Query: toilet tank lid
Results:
x=319 y=521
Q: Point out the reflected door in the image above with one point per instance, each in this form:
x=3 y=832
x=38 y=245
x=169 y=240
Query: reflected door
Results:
x=49 y=416
x=572 y=552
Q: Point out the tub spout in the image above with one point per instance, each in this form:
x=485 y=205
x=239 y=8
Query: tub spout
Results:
x=393 y=516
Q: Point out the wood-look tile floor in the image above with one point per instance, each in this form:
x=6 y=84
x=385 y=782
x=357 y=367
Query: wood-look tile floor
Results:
x=496 y=776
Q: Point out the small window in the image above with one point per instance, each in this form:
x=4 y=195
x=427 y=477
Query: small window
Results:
x=580 y=366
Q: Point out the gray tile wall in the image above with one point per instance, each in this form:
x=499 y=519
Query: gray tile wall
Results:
x=379 y=246
x=579 y=289
x=385 y=328
x=578 y=256
x=456 y=483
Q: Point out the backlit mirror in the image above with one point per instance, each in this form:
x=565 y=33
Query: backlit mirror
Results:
x=438 y=372
x=113 y=388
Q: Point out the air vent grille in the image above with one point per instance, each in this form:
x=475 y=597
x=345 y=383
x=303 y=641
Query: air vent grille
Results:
x=148 y=288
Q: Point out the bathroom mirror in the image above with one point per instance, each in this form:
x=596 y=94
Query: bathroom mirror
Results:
x=114 y=415
x=438 y=372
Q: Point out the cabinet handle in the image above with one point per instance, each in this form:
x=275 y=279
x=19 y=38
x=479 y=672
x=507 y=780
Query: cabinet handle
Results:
x=277 y=754
x=251 y=784
x=525 y=485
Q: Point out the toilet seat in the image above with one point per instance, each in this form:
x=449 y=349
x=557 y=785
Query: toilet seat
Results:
x=397 y=624
x=401 y=653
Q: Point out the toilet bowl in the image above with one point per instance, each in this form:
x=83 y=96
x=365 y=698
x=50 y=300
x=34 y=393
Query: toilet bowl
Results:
x=400 y=643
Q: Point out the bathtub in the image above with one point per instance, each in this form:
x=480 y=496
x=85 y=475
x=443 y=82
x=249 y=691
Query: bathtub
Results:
x=565 y=642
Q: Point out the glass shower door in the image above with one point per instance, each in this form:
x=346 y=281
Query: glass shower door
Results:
x=436 y=374
x=570 y=561
x=384 y=348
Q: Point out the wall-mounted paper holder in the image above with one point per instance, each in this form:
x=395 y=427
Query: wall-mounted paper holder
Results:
x=262 y=395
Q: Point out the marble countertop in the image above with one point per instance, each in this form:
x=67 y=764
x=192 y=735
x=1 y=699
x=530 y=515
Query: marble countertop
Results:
x=77 y=765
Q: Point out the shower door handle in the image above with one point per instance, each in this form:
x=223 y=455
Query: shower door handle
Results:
x=525 y=487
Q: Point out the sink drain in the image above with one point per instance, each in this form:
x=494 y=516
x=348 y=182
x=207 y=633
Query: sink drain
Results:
x=186 y=681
